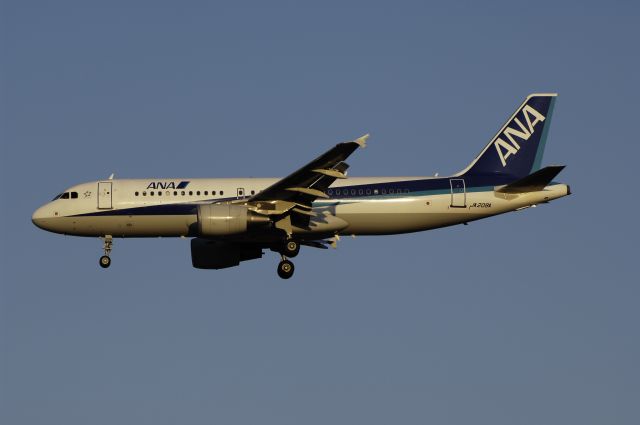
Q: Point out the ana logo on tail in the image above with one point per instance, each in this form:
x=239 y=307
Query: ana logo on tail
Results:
x=511 y=147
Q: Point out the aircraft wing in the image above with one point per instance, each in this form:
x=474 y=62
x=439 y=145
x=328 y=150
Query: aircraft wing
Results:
x=296 y=192
x=309 y=182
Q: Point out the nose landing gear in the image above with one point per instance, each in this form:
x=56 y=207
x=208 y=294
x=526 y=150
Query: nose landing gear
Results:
x=105 y=260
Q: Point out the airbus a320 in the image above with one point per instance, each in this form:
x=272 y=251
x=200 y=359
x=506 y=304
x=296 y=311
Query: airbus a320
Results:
x=232 y=220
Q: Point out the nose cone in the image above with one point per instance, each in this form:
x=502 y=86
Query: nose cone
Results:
x=39 y=217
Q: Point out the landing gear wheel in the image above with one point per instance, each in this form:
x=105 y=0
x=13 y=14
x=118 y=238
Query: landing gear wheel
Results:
x=285 y=269
x=105 y=261
x=291 y=248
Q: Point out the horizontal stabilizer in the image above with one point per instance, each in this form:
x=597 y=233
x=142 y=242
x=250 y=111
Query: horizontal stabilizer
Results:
x=533 y=182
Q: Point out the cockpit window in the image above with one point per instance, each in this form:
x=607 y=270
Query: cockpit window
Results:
x=57 y=196
x=67 y=195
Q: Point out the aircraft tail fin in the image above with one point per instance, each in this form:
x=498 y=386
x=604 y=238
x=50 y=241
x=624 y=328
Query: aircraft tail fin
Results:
x=533 y=182
x=516 y=151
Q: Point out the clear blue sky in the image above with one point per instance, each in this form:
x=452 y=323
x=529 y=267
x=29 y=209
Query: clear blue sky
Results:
x=528 y=318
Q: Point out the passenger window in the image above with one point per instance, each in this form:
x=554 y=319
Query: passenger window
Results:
x=137 y=193
x=159 y=193
x=353 y=191
x=368 y=191
x=360 y=192
x=198 y=193
x=206 y=192
x=74 y=195
x=144 y=193
x=253 y=192
x=151 y=193
x=384 y=191
x=221 y=193
x=213 y=192
x=182 y=193
x=191 y=193
x=65 y=195
x=175 y=193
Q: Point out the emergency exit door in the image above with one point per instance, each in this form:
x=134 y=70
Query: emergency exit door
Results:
x=105 y=195
x=458 y=193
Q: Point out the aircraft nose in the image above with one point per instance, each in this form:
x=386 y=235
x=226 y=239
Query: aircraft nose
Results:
x=39 y=217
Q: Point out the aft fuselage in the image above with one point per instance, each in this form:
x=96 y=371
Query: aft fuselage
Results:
x=356 y=206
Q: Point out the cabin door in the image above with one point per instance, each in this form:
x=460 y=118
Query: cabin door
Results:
x=105 y=195
x=458 y=193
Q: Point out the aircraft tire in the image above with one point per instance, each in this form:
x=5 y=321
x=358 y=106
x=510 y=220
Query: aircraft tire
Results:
x=291 y=248
x=285 y=269
x=105 y=261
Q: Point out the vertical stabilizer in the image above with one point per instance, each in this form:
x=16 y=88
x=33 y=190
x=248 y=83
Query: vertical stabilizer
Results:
x=516 y=151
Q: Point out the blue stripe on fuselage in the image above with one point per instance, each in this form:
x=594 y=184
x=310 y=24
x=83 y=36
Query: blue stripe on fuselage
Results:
x=160 y=209
x=419 y=187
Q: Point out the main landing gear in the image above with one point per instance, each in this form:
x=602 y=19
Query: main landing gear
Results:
x=105 y=260
x=290 y=249
x=285 y=268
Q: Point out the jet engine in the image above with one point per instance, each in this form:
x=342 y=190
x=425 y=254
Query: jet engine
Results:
x=228 y=219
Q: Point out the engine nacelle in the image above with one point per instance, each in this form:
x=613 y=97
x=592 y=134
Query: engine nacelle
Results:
x=211 y=254
x=228 y=219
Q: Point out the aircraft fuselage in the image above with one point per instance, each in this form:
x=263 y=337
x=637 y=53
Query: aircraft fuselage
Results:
x=362 y=206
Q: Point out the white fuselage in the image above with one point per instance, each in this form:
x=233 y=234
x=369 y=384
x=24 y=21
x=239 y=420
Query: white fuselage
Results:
x=160 y=207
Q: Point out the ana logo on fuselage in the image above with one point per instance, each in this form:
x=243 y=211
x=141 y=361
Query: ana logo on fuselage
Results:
x=168 y=185
x=511 y=147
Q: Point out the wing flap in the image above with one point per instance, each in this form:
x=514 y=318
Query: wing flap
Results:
x=331 y=173
x=304 y=212
x=308 y=191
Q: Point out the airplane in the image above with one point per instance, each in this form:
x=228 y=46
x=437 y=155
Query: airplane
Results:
x=232 y=220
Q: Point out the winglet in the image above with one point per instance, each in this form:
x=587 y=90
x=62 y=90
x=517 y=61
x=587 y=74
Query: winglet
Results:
x=362 y=141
